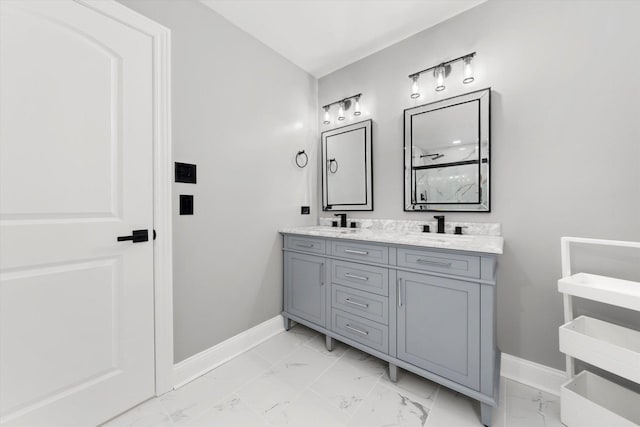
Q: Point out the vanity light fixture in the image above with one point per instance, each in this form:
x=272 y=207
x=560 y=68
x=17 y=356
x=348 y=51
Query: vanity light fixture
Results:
x=356 y=108
x=441 y=71
x=344 y=104
x=414 y=87
x=468 y=70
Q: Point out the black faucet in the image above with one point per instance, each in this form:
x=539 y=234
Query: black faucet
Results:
x=343 y=219
x=440 y=219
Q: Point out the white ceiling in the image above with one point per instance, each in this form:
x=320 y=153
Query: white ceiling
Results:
x=321 y=36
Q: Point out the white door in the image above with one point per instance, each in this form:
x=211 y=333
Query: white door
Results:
x=76 y=133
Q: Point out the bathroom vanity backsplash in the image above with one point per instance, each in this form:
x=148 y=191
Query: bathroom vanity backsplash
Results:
x=406 y=226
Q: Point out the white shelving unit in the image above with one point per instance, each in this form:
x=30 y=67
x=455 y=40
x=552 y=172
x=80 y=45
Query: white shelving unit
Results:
x=588 y=400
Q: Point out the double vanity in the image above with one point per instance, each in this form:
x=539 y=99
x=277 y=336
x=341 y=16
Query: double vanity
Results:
x=423 y=302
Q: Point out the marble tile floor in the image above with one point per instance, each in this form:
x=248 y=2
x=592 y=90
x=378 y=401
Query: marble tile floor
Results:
x=292 y=380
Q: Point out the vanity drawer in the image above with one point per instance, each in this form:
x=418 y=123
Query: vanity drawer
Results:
x=365 y=304
x=306 y=244
x=360 y=251
x=364 y=331
x=439 y=262
x=360 y=276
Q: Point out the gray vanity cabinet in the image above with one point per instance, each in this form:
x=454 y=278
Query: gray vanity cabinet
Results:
x=427 y=310
x=438 y=326
x=304 y=287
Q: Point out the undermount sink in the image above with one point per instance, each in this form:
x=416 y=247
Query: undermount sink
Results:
x=341 y=230
x=445 y=237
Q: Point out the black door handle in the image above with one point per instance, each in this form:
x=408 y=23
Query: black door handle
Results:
x=137 y=236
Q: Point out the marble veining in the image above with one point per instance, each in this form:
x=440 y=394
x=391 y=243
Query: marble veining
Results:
x=309 y=388
x=472 y=243
x=405 y=226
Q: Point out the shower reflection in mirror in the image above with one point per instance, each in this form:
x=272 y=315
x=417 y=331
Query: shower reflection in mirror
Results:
x=447 y=154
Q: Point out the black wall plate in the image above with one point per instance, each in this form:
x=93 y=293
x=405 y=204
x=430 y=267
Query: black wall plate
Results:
x=185 y=172
x=186 y=204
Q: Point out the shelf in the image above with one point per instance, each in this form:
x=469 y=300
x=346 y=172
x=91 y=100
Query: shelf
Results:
x=623 y=293
x=603 y=344
x=591 y=401
x=447 y=165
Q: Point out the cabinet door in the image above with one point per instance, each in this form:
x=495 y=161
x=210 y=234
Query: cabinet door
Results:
x=305 y=287
x=438 y=324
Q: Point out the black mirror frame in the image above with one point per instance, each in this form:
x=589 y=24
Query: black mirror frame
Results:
x=484 y=96
x=367 y=125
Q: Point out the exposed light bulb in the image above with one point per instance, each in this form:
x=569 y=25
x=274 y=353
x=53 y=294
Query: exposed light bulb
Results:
x=356 y=107
x=341 y=111
x=414 y=87
x=327 y=116
x=439 y=72
x=468 y=70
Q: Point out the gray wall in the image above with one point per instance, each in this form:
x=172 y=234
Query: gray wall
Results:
x=565 y=143
x=240 y=112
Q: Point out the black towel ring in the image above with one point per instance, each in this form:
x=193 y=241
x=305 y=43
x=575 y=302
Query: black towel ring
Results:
x=332 y=168
x=302 y=163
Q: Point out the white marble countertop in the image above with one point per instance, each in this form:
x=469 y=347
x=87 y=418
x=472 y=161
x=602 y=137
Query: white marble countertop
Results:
x=472 y=243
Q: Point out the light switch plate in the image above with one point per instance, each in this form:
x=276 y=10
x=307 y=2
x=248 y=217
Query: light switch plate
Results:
x=186 y=204
x=185 y=172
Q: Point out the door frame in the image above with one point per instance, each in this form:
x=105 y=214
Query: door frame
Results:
x=162 y=180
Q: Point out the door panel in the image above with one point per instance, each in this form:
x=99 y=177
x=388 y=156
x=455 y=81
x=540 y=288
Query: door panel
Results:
x=75 y=351
x=439 y=326
x=76 y=306
x=87 y=95
x=305 y=280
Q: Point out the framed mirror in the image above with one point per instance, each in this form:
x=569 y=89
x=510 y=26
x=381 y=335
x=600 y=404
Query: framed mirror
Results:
x=447 y=154
x=347 y=179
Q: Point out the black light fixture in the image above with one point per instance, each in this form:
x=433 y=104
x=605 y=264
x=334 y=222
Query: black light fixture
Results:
x=327 y=115
x=439 y=74
x=356 y=107
x=341 y=111
x=468 y=70
x=344 y=105
x=441 y=71
x=415 y=93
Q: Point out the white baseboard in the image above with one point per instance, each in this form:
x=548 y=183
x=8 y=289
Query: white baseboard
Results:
x=514 y=368
x=532 y=374
x=203 y=362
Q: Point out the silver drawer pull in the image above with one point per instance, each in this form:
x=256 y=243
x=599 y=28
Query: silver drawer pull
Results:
x=360 y=331
x=353 y=276
x=300 y=245
x=359 y=304
x=353 y=251
x=435 y=263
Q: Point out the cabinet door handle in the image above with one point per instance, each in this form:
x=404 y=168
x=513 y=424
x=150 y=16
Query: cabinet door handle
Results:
x=399 y=283
x=353 y=276
x=359 y=304
x=300 y=245
x=359 y=331
x=353 y=251
x=434 y=263
x=322 y=274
